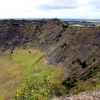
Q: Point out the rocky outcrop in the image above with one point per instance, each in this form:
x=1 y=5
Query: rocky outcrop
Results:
x=62 y=43
x=87 y=95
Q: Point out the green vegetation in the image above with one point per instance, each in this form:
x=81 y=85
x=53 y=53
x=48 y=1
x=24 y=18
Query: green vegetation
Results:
x=81 y=88
x=39 y=88
x=86 y=82
x=22 y=64
x=69 y=83
x=90 y=74
x=34 y=63
x=85 y=86
x=82 y=64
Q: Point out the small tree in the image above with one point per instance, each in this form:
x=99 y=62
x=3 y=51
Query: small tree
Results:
x=39 y=88
x=84 y=64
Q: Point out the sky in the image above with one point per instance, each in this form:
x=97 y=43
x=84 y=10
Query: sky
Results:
x=86 y=9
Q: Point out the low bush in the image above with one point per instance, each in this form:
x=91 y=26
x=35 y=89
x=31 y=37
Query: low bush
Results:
x=69 y=83
x=84 y=64
x=90 y=74
x=81 y=88
x=39 y=88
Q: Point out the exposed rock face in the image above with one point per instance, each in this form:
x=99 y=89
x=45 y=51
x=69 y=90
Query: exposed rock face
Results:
x=87 y=95
x=62 y=43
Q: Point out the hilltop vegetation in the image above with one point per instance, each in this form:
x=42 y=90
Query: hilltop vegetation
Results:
x=49 y=47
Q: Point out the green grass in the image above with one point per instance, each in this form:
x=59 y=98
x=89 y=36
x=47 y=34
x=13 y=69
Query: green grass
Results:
x=9 y=74
x=86 y=86
x=20 y=65
x=78 y=25
x=28 y=60
x=34 y=62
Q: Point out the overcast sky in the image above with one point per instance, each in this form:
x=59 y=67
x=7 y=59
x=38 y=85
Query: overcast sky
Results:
x=50 y=9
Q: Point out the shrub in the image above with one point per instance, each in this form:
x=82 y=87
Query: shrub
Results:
x=11 y=52
x=29 y=51
x=39 y=88
x=84 y=78
x=78 y=60
x=69 y=83
x=73 y=62
x=96 y=87
x=91 y=74
x=81 y=88
x=88 y=75
x=94 y=60
x=84 y=64
x=65 y=25
x=96 y=67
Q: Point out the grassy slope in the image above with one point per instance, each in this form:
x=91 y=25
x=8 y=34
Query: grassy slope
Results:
x=9 y=74
x=21 y=64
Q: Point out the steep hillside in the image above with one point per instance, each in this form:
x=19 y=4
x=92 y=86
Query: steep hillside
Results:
x=63 y=44
x=75 y=49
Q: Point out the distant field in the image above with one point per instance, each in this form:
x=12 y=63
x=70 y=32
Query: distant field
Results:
x=20 y=65
x=96 y=22
x=78 y=25
x=83 y=22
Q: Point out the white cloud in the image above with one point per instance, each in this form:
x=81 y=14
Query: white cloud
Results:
x=49 y=8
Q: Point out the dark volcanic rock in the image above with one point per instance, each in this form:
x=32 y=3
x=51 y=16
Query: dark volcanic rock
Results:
x=62 y=43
